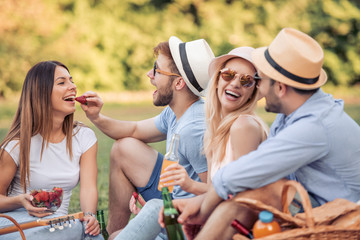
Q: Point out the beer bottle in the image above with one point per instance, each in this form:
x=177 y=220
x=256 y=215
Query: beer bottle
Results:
x=173 y=228
x=170 y=157
x=100 y=218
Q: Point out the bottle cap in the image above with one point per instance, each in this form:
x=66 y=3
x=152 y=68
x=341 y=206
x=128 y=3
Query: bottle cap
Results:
x=266 y=216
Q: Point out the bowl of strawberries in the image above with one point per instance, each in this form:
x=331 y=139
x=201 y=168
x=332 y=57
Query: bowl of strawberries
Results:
x=50 y=199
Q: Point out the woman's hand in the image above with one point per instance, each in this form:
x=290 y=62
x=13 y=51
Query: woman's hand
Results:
x=177 y=175
x=26 y=199
x=92 y=225
x=132 y=203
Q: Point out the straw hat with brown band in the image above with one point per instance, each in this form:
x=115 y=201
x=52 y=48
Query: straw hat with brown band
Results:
x=292 y=58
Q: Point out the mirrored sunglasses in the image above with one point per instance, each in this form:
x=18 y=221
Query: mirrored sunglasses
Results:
x=246 y=80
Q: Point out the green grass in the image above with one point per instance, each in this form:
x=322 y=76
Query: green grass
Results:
x=134 y=111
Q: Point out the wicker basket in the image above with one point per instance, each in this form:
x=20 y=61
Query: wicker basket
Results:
x=335 y=220
x=16 y=224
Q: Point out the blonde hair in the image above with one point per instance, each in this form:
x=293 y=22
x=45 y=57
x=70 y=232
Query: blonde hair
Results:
x=34 y=116
x=218 y=127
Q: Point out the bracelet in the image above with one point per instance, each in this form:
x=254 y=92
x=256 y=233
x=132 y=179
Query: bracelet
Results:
x=90 y=213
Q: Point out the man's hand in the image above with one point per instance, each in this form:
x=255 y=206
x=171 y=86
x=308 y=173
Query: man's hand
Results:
x=189 y=210
x=94 y=105
x=176 y=174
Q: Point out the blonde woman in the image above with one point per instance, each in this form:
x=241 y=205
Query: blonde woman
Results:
x=45 y=148
x=233 y=128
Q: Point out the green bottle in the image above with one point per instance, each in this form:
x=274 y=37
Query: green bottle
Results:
x=100 y=218
x=173 y=228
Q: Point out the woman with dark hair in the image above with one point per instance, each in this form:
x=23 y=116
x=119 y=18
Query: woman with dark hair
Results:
x=46 y=148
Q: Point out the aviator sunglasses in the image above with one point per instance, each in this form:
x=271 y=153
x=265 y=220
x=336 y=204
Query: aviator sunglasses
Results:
x=246 y=80
x=163 y=72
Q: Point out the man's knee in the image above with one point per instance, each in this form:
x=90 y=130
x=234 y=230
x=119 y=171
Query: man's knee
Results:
x=120 y=150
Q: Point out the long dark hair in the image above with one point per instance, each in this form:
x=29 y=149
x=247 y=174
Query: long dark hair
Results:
x=34 y=115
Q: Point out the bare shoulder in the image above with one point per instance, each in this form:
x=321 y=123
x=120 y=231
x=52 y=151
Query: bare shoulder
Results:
x=246 y=124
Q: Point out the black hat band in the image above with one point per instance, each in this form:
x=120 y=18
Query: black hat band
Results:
x=288 y=74
x=187 y=69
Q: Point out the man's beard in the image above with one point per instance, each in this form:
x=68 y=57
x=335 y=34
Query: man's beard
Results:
x=163 y=99
x=273 y=107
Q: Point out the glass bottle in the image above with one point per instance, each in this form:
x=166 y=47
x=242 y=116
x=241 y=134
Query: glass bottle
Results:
x=100 y=218
x=241 y=229
x=265 y=225
x=173 y=228
x=170 y=157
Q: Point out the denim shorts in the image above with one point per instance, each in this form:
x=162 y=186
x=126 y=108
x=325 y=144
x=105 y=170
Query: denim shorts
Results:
x=151 y=191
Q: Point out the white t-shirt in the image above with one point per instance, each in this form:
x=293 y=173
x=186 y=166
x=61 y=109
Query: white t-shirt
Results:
x=55 y=169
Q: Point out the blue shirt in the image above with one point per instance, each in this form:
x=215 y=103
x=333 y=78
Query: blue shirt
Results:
x=318 y=145
x=191 y=127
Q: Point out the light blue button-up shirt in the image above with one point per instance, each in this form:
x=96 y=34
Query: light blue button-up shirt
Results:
x=318 y=145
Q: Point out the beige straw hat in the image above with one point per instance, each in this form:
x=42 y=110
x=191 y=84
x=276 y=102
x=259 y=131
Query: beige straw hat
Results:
x=192 y=60
x=292 y=58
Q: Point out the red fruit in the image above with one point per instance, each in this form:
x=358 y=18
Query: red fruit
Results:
x=36 y=198
x=52 y=196
x=58 y=191
x=135 y=195
x=34 y=192
x=44 y=196
x=58 y=202
x=81 y=99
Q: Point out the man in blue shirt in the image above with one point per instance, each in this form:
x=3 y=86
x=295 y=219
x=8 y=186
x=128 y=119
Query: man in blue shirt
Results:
x=180 y=76
x=312 y=141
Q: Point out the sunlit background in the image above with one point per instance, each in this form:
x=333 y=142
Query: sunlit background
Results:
x=107 y=44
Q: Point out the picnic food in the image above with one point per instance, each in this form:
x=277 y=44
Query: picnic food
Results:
x=81 y=99
x=136 y=195
x=50 y=199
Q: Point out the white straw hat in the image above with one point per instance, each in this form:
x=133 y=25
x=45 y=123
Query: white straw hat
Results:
x=192 y=60
x=292 y=58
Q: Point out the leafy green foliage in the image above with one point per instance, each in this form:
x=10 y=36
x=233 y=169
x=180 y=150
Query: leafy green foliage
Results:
x=107 y=45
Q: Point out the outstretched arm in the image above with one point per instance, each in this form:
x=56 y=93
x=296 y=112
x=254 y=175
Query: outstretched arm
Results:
x=144 y=130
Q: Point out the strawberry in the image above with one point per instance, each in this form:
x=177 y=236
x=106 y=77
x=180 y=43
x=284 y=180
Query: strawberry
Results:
x=34 y=192
x=136 y=195
x=81 y=99
x=58 y=191
x=52 y=196
x=36 y=198
x=44 y=196
x=57 y=202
